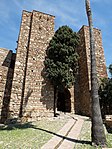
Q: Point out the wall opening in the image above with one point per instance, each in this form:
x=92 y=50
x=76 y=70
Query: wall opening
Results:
x=64 y=101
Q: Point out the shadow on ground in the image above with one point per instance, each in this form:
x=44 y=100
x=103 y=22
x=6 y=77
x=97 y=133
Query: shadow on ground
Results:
x=64 y=137
x=109 y=129
x=17 y=125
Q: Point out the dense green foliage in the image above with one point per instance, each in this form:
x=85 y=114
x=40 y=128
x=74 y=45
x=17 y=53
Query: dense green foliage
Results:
x=105 y=93
x=110 y=69
x=61 y=62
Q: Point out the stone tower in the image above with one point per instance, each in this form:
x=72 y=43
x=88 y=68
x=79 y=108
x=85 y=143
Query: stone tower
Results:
x=32 y=94
x=24 y=89
x=83 y=89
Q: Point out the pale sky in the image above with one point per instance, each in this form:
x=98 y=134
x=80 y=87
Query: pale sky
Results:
x=67 y=12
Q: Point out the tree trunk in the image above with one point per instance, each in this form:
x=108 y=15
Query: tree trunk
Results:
x=97 y=130
x=55 y=90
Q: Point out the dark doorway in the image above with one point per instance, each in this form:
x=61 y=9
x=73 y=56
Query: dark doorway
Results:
x=64 y=101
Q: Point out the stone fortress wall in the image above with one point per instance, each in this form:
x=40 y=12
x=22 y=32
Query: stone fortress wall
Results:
x=84 y=67
x=7 y=60
x=24 y=89
x=32 y=94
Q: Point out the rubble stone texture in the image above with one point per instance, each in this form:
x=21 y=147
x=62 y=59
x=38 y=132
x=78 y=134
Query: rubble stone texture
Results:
x=6 y=76
x=30 y=94
x=84 y=80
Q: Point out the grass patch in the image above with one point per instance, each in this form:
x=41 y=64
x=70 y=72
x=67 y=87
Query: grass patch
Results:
x=109 y=140
x=29 y=135
x=85 y=136
x=35 y=135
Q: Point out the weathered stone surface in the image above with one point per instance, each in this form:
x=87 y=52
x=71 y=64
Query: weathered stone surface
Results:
x=6 y=76
x=31 y=95
x=31 y=91
x=84 y=82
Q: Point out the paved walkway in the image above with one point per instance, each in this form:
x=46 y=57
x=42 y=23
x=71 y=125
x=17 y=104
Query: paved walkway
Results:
x=68 y=135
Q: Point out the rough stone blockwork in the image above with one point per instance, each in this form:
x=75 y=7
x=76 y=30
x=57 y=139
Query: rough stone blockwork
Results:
x=84 y=67
x=6 y=76
x=32 y=95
